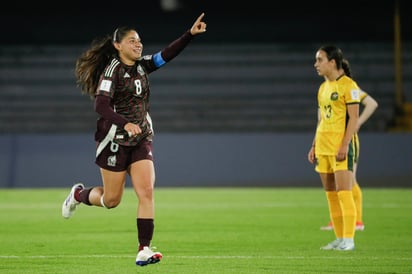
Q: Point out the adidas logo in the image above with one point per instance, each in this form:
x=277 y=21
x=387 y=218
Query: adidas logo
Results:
x=126 y=75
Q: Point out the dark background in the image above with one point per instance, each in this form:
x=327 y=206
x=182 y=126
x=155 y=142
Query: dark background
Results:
x=40 y=42
x=74 y=22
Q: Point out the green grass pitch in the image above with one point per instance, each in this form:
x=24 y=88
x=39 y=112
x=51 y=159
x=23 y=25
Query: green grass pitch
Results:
x=203 y=230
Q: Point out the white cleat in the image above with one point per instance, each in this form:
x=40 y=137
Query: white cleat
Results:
x=69 y=205
x=332 y=245
x=346 y=245
x=147 y=256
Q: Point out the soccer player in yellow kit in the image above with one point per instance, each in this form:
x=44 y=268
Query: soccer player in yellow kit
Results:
x=333 y=147
x=369 y=106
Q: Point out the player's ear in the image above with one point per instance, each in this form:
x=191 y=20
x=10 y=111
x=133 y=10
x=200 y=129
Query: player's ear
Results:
x=116 y=45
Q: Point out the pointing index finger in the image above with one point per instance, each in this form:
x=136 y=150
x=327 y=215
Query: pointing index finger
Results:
x=199 y=19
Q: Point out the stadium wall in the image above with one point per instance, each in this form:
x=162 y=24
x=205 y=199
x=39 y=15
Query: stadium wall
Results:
x=201 y=160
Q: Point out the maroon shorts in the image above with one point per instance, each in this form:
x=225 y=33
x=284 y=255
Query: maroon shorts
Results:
x=116 y=157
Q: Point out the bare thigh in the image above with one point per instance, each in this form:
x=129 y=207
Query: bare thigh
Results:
x=328 y=181
x=113 y=185
x=344 y=180
x=142 y=175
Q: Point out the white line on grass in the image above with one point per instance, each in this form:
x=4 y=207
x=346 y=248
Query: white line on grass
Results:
x=191 y=257
x=41 y=206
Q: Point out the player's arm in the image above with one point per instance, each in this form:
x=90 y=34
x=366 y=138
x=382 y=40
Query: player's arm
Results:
x=102 y=105
x=317 y=124
x=351 y=128
x=311 y=154
x=174 y=48
x=370 y=105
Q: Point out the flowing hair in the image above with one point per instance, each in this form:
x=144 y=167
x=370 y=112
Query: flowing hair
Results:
x=91 y=64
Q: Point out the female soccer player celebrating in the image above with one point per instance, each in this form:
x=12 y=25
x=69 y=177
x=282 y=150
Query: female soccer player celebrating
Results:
x=115 y=74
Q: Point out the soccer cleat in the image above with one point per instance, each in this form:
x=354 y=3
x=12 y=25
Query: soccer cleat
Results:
x=345 y=245
x=147 y=256
x=69 y=205
x=360 y=226
x=327 y=227
x=332 y=245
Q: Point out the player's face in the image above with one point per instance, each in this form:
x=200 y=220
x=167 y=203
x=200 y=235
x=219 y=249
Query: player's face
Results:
x=322 y=65
x=130 y=48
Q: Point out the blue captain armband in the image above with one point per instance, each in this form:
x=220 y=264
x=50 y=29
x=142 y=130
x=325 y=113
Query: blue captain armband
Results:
x=158 y=60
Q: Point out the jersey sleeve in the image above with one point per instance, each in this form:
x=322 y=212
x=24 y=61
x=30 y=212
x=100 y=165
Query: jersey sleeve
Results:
x=352 y=93
x=106 y=84
x=103 y=104
x=362 y=95
x=159 y=59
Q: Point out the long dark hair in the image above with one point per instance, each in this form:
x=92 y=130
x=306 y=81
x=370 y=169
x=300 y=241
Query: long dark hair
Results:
x=91 y=63
x=346 y=68
x=333 y=53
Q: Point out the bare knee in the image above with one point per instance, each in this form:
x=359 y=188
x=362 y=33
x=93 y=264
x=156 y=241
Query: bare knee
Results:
x=109 y=202
x=145 y=193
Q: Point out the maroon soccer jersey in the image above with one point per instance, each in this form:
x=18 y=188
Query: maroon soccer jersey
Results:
x=128 y=86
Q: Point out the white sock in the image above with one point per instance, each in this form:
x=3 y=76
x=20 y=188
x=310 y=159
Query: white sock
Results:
x=101 y=202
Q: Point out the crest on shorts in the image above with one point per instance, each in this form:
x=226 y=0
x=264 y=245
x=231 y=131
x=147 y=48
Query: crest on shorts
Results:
x=111 y=160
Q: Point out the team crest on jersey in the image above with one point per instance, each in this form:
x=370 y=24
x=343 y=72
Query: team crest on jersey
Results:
x=334 y=96
x=111 y=160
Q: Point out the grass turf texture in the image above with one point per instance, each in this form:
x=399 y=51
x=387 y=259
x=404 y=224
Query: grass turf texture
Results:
x=203 y=230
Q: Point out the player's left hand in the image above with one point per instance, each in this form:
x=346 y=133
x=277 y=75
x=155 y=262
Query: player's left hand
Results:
x=341 y=156
x=199 y=26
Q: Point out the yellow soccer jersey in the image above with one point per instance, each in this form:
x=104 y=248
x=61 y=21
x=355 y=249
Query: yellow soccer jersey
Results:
x=333 y=98
x=362 y=95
